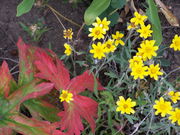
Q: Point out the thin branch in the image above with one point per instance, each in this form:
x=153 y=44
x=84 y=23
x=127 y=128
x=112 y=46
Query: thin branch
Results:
x=9 y=59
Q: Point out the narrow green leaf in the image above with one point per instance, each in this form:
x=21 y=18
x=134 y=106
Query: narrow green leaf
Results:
x=118 y=3
x=24 y=7
x=45 y=110
x=95 y=9
x=113 y=18
x=152 y=13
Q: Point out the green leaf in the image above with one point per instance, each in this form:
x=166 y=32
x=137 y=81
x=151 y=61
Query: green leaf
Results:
x=152 y=13
x=164 y=62
x=118 y=3
x=95 y=9
x=24 y=7
x=113 y=18
x=108 y=97
x=130 y=118
x=44 y=109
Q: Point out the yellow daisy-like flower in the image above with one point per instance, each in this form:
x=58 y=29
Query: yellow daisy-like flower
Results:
x=66 y=96
x=98 y=50
x=97 y=32
x=125 y=106
x=148 y=49
x=104 y=23
x=145 y=31
x=109 y=46
x=154 y=71
x=136 y=60
x=68 y=33
x=138 y=19
x=131 y=26
x=175 y=116
x=175 y=96
x=162 y=107
x=117 y=37
x=139 y=71
x=176 y=43
x=68 y=50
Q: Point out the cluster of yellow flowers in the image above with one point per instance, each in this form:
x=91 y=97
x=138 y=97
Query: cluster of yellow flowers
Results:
x=68 y=33
x=125 y=106
x=165 y=108
x=137 y=22
x=109 y=45
x=146 y=51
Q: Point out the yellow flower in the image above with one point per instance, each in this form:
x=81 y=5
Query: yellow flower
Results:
x=175 y=116
x=104 y=23
x=97 y=32
x=148 y=49
x=154 y=72
x=138 y=19
x=125 y=106
x=176 y=43
x=109 y=46
x=139 y=71
x=66 y=96
x=98 y=50
x=145 y=31
x=118 y=38
x=131 y=26
x=68 y=50
x=163 y=107
x=68 y=33
x=175 y=96
x=136 y=60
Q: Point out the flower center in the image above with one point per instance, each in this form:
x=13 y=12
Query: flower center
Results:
x=153 y=71
x=98 y=50
x=97 y=32
x=108 y=46
x=148 y=49
x=65 y=95
x=163 y=107
x=138 y=70
x=125 y=106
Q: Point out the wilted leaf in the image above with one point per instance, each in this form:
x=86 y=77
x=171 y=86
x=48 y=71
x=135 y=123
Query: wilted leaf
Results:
x=168 y=14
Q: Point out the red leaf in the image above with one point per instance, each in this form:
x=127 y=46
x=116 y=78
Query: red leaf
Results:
x=26 y=62
x=5 y=131
x=5 y=80
x=30 y=90
x=53 y=71
x=42 y=127
x=41 y=89
x=81 y=107
x=58 y=132
x=82 y=82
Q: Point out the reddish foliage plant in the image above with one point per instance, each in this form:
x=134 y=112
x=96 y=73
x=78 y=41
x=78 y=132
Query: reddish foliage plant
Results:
x=13 y=94
x=52 y=69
